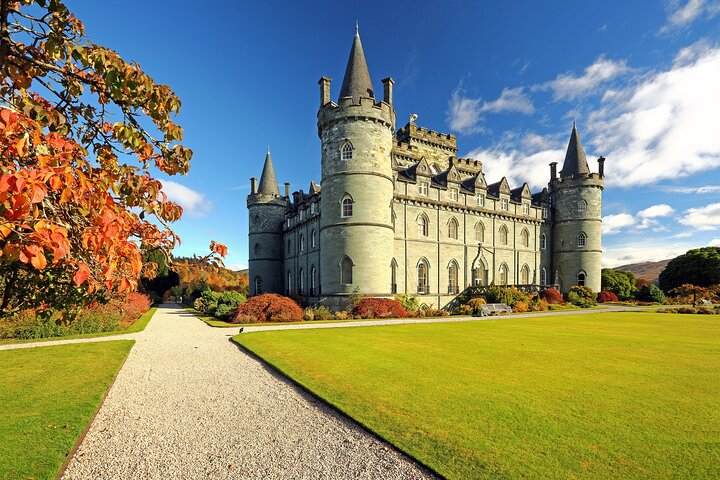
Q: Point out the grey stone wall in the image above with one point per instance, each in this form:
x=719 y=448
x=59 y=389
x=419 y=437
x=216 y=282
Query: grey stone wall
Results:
x=265 y=242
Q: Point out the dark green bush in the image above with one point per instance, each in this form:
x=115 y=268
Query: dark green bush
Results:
x=650 y=293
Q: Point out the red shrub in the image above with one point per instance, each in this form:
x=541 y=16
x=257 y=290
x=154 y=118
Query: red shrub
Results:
x=268 y=307
x=134 y=305
x=379 y=308
x=606 y=296
x=551 y=296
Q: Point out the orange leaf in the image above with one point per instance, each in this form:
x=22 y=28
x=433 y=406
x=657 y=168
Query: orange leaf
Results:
x=81 y=274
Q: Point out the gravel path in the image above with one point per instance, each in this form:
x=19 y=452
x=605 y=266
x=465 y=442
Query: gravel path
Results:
x=189 y=404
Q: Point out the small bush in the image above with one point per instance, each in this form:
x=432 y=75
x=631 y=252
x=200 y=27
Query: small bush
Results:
x=521 y=307
x=342 y=315
x=551 y=296
x=583 y=292
x=606 y=296
x=268 y=307
x=507 y=295
x=476 y=304
x=379 y=308
x=650 y=293
x=224 y=311
x=576 y=299
x=317 y=313
x=408 y=302
x=464 y=310
x=538 y=305
x=434 y=312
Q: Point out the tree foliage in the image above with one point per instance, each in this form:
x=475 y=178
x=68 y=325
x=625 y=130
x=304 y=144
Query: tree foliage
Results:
x=650 y=293
x=700 y=267
x=80 y=132
x=619 y=282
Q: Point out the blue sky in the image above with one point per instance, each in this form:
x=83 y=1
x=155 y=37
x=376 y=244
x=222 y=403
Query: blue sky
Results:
x=508 y=78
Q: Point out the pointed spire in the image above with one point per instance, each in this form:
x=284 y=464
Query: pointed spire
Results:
x=356 y=82
x=268 y=182
x=575 y=161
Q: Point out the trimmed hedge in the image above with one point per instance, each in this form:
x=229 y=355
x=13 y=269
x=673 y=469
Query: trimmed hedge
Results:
x=268 y=307
x=379 y=308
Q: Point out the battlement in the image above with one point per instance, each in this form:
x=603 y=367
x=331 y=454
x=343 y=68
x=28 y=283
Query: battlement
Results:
x=412 y=133
x=346 y=108
x=591 y=179
x=469 y=165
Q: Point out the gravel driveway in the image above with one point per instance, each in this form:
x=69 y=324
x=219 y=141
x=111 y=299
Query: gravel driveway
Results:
x=189 y=404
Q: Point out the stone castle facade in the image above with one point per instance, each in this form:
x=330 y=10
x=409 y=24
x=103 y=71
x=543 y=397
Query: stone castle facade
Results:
x=397 y=212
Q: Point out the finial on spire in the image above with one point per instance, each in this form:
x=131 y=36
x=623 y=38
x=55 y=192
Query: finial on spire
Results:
x=574 y=123
x=268 y=152
x=357 y=29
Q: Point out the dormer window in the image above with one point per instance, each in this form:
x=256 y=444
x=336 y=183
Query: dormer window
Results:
x=453 y=194
x=423 y=189
x=481 y=200
x=526 y=209
x=504 y=204
x=347 y=151
x=312 y=209
x=301 y=215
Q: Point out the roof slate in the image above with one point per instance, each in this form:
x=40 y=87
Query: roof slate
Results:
x=356 y=83
x=268 y=182
x=575 y=161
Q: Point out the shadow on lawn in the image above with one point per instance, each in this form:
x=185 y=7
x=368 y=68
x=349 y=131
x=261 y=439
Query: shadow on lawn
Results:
x=328 y=408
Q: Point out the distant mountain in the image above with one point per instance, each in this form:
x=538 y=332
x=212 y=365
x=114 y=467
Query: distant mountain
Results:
x=648 y=270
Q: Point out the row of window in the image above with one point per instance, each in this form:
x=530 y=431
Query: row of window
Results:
x=314 y=207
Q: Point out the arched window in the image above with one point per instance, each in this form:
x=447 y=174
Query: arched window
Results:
x=525 y=237
x=453 y=288
x=525 y=275
x=347 y=206
x=479 y=232
x=503 y=237
x=301 y=281
x=289 y=244
x=503 y=275
x=313 y=239
x=423 y=276
x=480 y=274
x=313 y=280
x=346 y=271
x=582 y=206
x=543 y=241
x=453 y=229
x=302 y=243
x=289 y=283
x=347 y=151
x=543 y=277
x=581 y=279
x=258 y=285
x=423 y=226
x=257 y=249
x=582 y=240
x=393 y=276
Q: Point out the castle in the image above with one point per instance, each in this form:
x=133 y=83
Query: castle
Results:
x=397 y=212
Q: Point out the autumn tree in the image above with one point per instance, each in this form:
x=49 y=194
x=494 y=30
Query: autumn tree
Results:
x=81 y=131
x=699 y=266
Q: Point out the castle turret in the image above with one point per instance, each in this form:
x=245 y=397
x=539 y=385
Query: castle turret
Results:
x=266 y=212
x=577 y=215
x=357 y=184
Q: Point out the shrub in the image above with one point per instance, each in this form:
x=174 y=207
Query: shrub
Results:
x=207 y=301
x=507 y=295
x=606 y=296
x=224 y=311
x=583 y=292
x=379 y=308
x=521 y=307
x=476 y=304
x=134 y=305
x=408 y=302
x=268 y=307
x=433 y=312
x=317 y=313
x=551 y=296
x=342 y=315
x=538 y=305
x=464 y=310
x=577 y=300
x=650 y=293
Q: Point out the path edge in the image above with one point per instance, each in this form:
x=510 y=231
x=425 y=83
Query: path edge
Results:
x=334 y=408
x=85 y=431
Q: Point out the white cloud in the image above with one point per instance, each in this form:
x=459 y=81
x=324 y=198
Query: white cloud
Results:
x=702 y=218
x=236 y=266
x=517 y=166
x=662 y=210
x=653 y=251
x=662 y=127
x=684 y=15
x=615 y=223
x=696 y=190
x=465 y=113
x=194 y=203
x=568 y=86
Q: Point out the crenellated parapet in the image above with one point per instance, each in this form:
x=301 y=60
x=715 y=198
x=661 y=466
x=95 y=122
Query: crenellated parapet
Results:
x=348 y=109
x=411 y=134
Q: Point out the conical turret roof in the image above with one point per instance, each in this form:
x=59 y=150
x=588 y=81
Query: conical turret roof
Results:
x=268 y=182
x=575 y=161
x=356 y=82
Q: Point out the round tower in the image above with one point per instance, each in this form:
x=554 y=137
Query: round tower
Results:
x=576 y=197
x=266 y=213
x=356 y=230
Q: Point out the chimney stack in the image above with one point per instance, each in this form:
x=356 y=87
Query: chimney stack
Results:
x=553 y=171
x=601 y=166
x=388 y=89
x=287 y=190
x=324 y=83
x=253 y=185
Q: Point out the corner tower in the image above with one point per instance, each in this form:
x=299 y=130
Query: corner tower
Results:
x=356 y=230
x=266 y=212
x=576 y=197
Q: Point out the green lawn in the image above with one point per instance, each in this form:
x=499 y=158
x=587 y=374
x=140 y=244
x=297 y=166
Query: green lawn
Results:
x=606 y=395
x=137 y=326
x=47 y=397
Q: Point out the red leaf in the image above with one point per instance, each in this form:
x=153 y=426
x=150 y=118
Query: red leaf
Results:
x=81 y=274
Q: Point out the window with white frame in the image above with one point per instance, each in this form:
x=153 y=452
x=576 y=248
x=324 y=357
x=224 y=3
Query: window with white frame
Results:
x=453 y=194
x=347 y=151
x=312 y=208
x=543 y=241
x=543 y=277
x=423 y=226
x=453 y=288
x=347 y=206
x=503 y=275
x=526 y=209
x=582 y=240
x=581 y=277
x=544 y=213
x=301 y=215
x=481 y=200
x=504 y=204
x=423 y=189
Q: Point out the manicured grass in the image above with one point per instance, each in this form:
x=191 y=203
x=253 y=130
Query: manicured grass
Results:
x=48 y=395
x=137 y=326
x=605 y=395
